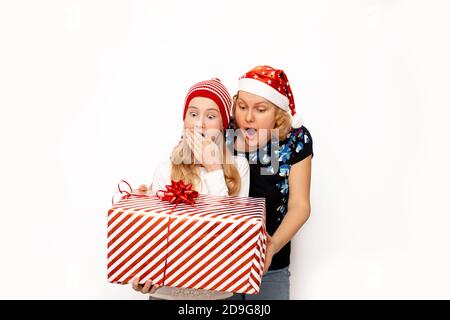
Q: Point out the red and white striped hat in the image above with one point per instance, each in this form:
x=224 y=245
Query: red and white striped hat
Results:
x=214 y=90
x=273 y=85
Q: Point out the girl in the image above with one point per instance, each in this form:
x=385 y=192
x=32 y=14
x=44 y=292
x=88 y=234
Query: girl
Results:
x=279 y=150
x=202 y=159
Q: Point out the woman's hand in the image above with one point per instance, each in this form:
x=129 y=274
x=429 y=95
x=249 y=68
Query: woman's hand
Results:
x=206 y=151
x=143 y=188
x=144 y=288
x=270 y=252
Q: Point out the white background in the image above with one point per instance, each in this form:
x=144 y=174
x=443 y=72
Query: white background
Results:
x=91 y=92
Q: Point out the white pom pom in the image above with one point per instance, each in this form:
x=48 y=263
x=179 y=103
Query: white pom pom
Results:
x=297 y=122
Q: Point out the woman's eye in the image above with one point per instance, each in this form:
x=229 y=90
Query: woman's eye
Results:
x=193 y=114
x=211 y=116
x=261 y=110
x=241 y=107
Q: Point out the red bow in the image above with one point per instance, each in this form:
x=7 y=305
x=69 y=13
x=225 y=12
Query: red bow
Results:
x=178 y=192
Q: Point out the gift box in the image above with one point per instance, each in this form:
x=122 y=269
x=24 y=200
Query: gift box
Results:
x=217 y=243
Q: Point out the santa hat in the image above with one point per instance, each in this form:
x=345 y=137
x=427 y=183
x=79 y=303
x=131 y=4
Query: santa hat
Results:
x=214 y=90
x=273 y=85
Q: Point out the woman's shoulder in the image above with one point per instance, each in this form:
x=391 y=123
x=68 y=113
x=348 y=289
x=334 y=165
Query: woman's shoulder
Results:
x=299 y=145
x=300 y=134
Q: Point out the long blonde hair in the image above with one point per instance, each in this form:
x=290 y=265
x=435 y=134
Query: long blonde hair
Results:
x=184 y=168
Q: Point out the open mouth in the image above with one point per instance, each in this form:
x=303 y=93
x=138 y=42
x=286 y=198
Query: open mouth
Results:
x=250 y=133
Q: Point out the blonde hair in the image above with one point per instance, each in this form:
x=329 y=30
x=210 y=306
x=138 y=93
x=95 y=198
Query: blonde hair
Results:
x=283 y=120
x=184 y=168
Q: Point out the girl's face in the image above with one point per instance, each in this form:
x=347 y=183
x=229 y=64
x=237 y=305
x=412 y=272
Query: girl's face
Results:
x=255 y=116
x=204 y=116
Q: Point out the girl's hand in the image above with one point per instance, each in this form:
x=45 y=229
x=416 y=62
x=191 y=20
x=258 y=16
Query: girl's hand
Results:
x=144 y=288
x=143 y=188
x=178 y=144
x=206 y=151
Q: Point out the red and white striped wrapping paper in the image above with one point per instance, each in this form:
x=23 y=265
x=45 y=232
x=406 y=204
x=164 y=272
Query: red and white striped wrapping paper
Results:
x=217 y=244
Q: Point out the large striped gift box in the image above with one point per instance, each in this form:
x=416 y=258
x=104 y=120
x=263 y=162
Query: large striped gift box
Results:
x=218 y=244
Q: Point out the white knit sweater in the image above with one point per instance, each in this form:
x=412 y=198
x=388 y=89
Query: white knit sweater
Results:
x=212 y=183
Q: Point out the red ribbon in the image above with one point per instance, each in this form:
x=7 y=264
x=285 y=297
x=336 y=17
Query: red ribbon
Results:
x=126 y=194
x=176 y=193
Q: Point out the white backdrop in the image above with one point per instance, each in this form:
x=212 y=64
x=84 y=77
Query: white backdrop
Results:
x=91 y=92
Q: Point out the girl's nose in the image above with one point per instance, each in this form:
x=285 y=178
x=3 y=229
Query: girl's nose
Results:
x=199 y=124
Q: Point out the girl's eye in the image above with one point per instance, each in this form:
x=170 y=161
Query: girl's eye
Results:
x=211 y=116
x=193 y=114
x=261 y=110
x=242 y=107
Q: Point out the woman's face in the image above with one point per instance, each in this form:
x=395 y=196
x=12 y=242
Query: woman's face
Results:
x=204 y=116
x=255 y=116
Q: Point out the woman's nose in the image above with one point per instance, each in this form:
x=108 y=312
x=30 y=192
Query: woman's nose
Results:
x=249 y=116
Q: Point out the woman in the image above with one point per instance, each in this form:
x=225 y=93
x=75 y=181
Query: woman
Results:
x=279 y=151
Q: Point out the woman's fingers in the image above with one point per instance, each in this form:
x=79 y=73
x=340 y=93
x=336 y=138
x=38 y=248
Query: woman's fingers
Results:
x=135 y=284
x=198 y=136
x=198 y=142
x=195 y=145
x=189 y=140
x=154 y=288
x=147 y=286
x=142 y=188
x=204 y=148
x=211 y=152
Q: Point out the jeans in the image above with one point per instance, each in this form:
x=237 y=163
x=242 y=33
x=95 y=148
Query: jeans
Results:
x=274 y=286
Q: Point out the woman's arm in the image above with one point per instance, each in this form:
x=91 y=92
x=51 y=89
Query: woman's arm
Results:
x=299 y=208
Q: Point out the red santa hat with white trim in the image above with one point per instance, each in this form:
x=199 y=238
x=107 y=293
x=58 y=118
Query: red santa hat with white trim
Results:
x=273 y=85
